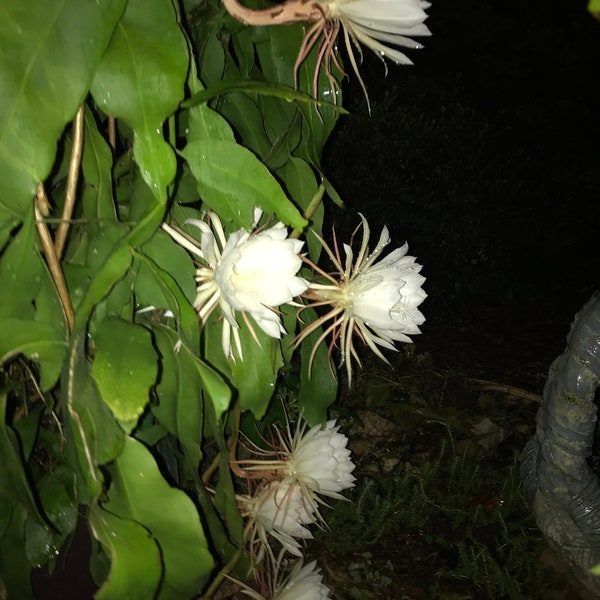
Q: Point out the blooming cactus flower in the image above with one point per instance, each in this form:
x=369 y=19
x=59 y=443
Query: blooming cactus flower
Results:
x=250 y=272
x=280 y=510
x=319 y=460
x=304 y=582
x=378 y=24
x=377 y=301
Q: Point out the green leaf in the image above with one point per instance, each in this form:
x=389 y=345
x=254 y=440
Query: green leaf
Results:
x=155 y=284
x=141 y=79
x=41 y=342
x=49 y=53
x=14 y=483
x=231 y=180
x=255 y=374
x=109 y=272
x=96 y=166
x=134 y=555
x=180 y=405
x=20 y=272
x=594 y=7
x=42 y=541
x=318 y=390
x=284 y=92
x=15 y=570
x=139 y=493
x=301 y=185
x=97 y=438
x=125 y=367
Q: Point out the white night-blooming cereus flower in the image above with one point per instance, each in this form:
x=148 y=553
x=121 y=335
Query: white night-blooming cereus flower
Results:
x=380 y=25
x=376 y=301
x=249 y=272
x=377 y=24
x=280 y=510
x=303 y=582
x=319 y=460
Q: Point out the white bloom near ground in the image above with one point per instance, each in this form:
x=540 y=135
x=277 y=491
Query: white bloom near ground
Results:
x=303 y=583
x=249 y=272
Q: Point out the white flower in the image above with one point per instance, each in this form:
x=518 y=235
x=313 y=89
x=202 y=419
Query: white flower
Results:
x=303 y=583
x=377 y=302
x=250 y=272
x=319 y=460
x=372 y=22
x=378 y=24
x=280 y=510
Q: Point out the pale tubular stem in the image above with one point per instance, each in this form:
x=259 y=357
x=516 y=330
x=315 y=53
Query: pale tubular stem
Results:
x=292 y=11
x=182 y=240
x=73 y=176
x=40 y=208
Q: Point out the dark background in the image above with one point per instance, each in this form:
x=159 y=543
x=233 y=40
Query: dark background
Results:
x=484 y=156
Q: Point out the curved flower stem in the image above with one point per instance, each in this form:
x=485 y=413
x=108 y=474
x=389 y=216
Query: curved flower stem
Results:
x=222 y=575
x=292 y=11
x=311 y=209
x=41 y=208
x=73 y=176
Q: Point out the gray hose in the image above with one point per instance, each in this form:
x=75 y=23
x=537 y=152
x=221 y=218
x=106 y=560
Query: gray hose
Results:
x=562 y=489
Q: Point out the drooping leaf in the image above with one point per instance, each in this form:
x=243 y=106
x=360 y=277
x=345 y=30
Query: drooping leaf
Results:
x=180 y=405
x=154 y=286
x=49 y=51
x=139 y=493
x=231 y=180
x=41 y=342
x=14 y=483
x=44 y=541
x=15 y=570
x=135 y=561
x=97 y=437
x=125 y=367
x=318 y=390
x=284 y=92
x=96 y=166
x=255 y=374
x=140 y=79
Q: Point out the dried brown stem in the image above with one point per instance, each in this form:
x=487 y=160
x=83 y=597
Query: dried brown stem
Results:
x=72 y=177
x=112 y=132
x=41 y=210
x=292 y=11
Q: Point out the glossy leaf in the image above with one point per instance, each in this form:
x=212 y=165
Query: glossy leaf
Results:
x=96 y=166
x=140 y=79
x=179 y=391
x=40 y=342
x=155 y=286
x=15 y=570
x=231 y=180
x=134 y=556
x=139 y=493
x=44 y=541
x=97 y=437
x=125 y=367
x=255 y=374
x=49 y=53
x=284 y=92
x=14 y=484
